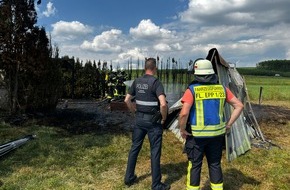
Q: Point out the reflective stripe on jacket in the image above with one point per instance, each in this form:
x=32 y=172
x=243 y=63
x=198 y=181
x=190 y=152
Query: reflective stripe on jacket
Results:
x=206 y=115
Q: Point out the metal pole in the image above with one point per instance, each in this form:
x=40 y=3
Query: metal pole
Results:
x=7 y=147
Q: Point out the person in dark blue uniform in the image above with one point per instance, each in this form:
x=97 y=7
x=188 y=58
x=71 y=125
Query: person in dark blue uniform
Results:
x=150 y=98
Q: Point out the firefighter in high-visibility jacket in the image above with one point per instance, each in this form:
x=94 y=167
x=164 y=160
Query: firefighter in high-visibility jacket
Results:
x=202 y=123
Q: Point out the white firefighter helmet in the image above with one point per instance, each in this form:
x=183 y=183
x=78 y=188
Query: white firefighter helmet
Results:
x=203 y=67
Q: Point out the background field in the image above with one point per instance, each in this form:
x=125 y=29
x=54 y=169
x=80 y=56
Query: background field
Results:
x=274 y=88
x=96 y=159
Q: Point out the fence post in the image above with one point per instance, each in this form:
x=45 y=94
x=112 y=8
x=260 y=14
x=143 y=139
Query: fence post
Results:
x=260 y=95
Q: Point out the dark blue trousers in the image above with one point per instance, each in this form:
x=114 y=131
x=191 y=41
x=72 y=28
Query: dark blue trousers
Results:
x=154 y=131
x=196 y=148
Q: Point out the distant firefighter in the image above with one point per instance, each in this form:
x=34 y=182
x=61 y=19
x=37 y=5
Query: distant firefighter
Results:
x=121 y=78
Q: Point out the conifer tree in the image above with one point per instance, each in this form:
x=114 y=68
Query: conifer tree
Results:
x=25 y=57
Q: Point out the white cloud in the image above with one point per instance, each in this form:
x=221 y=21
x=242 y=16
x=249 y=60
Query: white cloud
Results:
x=240 y=17
x=235 y=12
x=50 y=10
x=135 y=54
x=200 y=9
x=242 y=30
x=249 y=41
x=162 y=47
x=63 y=30
x=108 y=41
x=177 y=46
x=148 y=30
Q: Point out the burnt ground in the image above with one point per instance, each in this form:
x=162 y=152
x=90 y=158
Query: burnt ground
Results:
x=274 y=122
x=79 y=117
x=271 y=114
x=83 y=116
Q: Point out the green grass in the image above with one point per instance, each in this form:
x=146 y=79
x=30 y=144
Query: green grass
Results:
x=58 y=160
x=273 y=88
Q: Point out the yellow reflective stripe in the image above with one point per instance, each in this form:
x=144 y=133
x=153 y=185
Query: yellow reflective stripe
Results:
x=188 y=186
x=207 y=134
x=188 y=174
x=116 y=92
x=208 y=127
x=206 y=131
x=193 y=188
x=221 y=109
x=199 y=113
x=218 y=186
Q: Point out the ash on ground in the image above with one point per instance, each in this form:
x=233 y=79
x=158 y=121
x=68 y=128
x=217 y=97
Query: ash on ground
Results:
x=83 y=116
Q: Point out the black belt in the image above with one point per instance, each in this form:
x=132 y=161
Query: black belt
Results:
x=146 y=116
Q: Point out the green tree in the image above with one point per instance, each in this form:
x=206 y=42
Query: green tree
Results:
x=69 y=67
x=30 y=74
x=17 y=20
x=275 y=65
x=42 y=75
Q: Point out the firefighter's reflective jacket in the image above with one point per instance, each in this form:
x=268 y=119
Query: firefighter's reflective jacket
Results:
x=206 y=115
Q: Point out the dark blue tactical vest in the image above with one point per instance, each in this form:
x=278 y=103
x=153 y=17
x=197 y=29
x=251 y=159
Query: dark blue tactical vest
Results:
x=146 y=98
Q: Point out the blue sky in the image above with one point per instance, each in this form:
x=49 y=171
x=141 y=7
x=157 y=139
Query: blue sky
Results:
x=245 y=32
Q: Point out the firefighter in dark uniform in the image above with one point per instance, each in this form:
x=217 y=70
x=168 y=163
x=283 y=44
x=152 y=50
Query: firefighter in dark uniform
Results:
x=112 y=80
x=202 y=124
x=150 y=98
x=121 y=78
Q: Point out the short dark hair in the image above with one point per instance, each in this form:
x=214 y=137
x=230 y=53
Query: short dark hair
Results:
x=150 y=63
